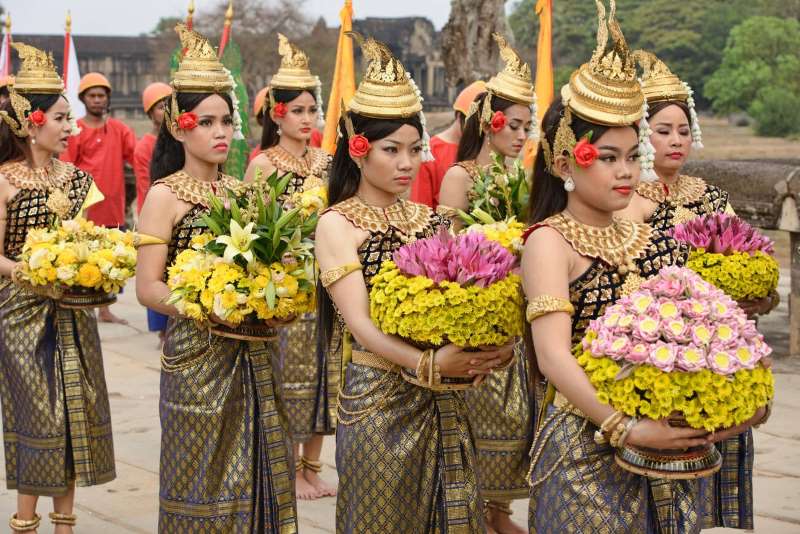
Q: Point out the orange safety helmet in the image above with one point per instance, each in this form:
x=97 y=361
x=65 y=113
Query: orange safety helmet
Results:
x=467 y=96
x=153 y=93
x=258 y=101
x=93 y=79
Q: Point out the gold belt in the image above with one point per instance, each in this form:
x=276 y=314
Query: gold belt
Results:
x=370 y=359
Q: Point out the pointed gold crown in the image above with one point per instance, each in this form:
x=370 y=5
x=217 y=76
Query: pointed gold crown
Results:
x=37 y=73
x=386 y=91
x=658 y=82
x=294 y=72
x=200 y=71
x=514 y=82
x=605 y=90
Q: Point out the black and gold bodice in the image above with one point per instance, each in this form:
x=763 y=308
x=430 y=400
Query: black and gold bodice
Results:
x=314 y=164
x=28 y=209
x=197 y=193
x=688 y=198
x=623 y=256
x=389 y=229
x=602 y=284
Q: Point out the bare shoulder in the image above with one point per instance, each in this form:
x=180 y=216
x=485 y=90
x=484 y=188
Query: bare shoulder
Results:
x=259 y=163
x=546 y=242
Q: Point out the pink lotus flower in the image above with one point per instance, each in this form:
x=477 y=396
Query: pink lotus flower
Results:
x=721 y=310
x=465 y=259
x=725 y=335
x=694 y=309
x=676 y=330
x=600 y=345
x=639 y=353
x=668 y=309
x=702 y=334
x=691 y=358
x=618 y=347
x=668 y=287
x=746 y=357
x=722 y=361
x=722 y=233
x=663 y=356
x=647 y=329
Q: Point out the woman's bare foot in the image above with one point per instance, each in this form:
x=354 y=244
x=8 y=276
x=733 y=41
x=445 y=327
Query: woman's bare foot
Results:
x=104 y=315
x=500 y=523
x=323 y=488
x=304 y=490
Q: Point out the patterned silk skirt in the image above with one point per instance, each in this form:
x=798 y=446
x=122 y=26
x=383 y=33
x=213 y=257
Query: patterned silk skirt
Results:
x=308 y=386
x=577 y=487
x=500 y=415
x=405 y=459
x=731 y=488
x=56 y=417
x=225 y=451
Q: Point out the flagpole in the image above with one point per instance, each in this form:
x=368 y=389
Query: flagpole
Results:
x=343 y=85
x=68 y=31
x=226 y=29
x=6 y=67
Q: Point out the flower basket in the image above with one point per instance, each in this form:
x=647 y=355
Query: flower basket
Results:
x=80 y=264
x=677 y=348
x=731 y=254
x=447 y=289
x=254 y=263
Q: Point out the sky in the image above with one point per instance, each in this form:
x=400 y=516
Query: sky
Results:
x=133 y=17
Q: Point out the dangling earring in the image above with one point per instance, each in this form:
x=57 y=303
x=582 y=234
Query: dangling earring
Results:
x=33 y=140
x=280 y=132
x=569 y=184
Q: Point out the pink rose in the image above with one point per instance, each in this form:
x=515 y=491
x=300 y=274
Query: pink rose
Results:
x=358 y=146
x=498 y=121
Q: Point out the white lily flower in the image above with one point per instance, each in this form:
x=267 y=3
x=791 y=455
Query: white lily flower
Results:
x=238 y=243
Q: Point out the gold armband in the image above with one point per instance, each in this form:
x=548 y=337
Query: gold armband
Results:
x=447 y=212
x=544 y=304
x=331 y=276
x=141 y=240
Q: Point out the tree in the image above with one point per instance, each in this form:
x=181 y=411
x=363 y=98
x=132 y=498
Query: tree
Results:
x=762 y=52
x=689 y=35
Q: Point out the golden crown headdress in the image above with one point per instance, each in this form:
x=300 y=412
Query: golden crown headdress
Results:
x=658 y=82
x=514 y=82
x=386 y=91
x=294 y=72
x=605 y=90
x=37 y=73
x=199 y=71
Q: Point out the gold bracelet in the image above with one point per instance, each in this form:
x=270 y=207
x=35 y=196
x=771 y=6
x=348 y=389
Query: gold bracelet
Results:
x=422 y=365
x=602 y=433
x=434 y=371
x=544 y=304
x=616 y=435
x=624 y=437
x=331 y=276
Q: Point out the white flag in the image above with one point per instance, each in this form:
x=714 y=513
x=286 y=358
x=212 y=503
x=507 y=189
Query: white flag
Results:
x=73 y=81
x=5 y=62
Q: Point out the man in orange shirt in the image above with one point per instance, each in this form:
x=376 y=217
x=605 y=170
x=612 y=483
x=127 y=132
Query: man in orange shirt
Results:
x=155 y=98
x=444 y=146
x=102 y=149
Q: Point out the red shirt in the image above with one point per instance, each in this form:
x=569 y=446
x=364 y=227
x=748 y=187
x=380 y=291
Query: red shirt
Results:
x=102 y=152
x=425 y=188
x=142 y=155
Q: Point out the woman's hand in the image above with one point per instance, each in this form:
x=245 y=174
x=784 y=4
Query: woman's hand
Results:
x=456 y=362
x=215 y=319
x=660 y=435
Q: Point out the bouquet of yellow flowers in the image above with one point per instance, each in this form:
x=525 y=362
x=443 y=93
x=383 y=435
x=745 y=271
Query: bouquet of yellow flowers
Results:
x=311 y=200
x=497 y=201
x=81 y=264
x=254 y=263
x=677 y=348
x=731 y=254
x=447 y=289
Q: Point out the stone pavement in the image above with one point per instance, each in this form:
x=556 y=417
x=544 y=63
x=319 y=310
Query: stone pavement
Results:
x=129 y=504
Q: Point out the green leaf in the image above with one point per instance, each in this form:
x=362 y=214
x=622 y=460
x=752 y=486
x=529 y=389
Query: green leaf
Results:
x=270 y=294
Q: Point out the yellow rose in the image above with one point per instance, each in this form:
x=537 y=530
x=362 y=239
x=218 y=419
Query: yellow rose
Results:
x=89 y=275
